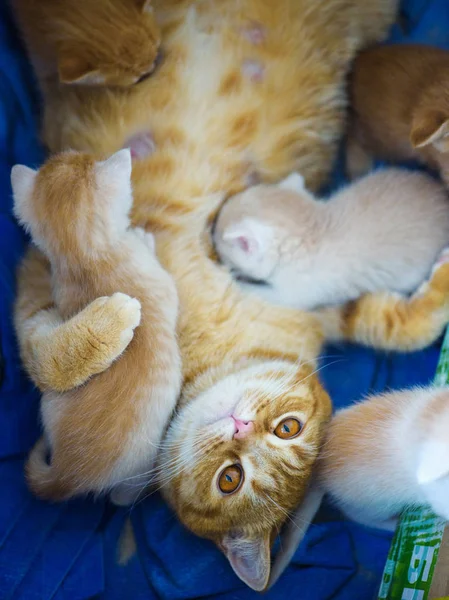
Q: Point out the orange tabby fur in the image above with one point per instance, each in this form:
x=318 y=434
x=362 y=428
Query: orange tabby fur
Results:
x=104 y=42
x=223 y=109
x=108 y=429
x=400 y=107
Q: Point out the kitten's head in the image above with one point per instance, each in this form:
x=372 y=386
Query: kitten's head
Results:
x=238 y=457
x=253 y=228
x=73 y=206
x=111 y=43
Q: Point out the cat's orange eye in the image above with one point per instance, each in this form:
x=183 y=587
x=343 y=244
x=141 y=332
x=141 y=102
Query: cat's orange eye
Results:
x=230 y=479
x=288 y=428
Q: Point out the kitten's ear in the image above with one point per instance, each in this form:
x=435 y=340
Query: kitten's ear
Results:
x=294 y=182
x=295 y=530
x=250 y=236
x=116 y=167
x=249 y=557
x=433 y=462
x=429 y=128
x=145 y=6
x=77 y=70
x=22 y=182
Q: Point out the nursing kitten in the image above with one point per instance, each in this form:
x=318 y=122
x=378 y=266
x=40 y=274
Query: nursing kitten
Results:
x=388 y=452
x=382 y=233
x=99 y=42
x=247 y=88
x=399 y=107
x=103 y=435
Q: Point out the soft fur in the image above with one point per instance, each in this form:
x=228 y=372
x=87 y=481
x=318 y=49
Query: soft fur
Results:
x=89 y=42
x=103 y=434
x=400 y=107
x=226 y=106
x=382 y=233
x=388 y=452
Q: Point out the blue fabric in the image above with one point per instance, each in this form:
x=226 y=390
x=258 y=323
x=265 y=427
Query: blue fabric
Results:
x=68 y=551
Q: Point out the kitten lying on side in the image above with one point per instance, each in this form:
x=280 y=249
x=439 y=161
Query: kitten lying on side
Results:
x=91 y=42
x=399 y=96
x=388 y=452
x=104 y=434
x=382 y=233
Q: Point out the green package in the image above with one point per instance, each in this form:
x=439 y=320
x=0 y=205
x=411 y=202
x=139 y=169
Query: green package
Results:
x=414 y=551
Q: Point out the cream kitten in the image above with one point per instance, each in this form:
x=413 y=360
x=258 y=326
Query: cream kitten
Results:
x=104 y=434
x=388 y=452
x=382 y=232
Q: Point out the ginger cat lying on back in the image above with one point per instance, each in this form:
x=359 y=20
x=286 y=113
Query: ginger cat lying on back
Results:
x=399 y=107
x=89 y=42
x=242 y=91
x=103 y=434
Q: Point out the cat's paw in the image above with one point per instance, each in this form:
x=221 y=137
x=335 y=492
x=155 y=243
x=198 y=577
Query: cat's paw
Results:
x=110 y=325
x=439 y=277
x=147 y=237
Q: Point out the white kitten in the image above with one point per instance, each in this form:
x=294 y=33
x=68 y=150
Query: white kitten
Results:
x=382 y=232
x=388 y=452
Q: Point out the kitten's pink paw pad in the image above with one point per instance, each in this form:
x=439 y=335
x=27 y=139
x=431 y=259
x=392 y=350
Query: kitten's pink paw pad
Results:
x=253 y=70
x=254 y=33
x=141 y=145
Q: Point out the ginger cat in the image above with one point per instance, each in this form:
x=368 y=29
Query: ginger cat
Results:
x=383 y=232
x=399 y=107
x=89 y=42
x=247 y=89
x=103 y=435
x=388 y=452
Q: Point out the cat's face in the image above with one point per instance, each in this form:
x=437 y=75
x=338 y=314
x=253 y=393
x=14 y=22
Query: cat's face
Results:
x=73 y=206
x=238 y=458
x=122 y=52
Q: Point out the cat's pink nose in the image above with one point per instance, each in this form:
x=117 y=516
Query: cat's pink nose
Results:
x=242 y=428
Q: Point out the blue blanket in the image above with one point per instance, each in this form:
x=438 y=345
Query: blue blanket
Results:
x=68 y=551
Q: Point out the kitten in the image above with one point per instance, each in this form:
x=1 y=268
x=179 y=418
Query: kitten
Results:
x=104 y=434
x=388 y=452
x=399 y=97
x=99 y=42
x=382 y=233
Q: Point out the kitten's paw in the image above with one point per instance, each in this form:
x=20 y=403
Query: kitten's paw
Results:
x=147 y=237
x=110 y=325
x=141 y=145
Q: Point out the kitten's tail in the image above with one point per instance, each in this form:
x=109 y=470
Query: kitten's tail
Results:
x=41 y=476
x=295 y=530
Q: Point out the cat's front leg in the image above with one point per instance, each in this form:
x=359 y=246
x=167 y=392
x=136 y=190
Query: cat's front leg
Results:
x=393 y=322
x=61 y=355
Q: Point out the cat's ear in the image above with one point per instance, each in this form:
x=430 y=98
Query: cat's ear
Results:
x=22 y=182
x=249 y=557
x=429 y=128
x=433 y=462
x=117 y=167
x=251 y=237
x=75 y=69
x=293 y=182
x=145 y=6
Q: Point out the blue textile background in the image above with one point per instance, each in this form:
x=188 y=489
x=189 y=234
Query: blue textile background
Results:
x=68 y=551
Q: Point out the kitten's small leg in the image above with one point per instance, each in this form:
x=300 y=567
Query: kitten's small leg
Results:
x=61 y=355
x=391 y=321
x=358 y=160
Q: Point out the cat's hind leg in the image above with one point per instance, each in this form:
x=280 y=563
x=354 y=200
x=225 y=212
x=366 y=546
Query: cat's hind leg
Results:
x=61 y=355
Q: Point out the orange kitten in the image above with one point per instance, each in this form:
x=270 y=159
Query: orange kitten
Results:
x=383 y=232
x=91 y=42
x=388 y=452
x=399 y=107
x=104 y=434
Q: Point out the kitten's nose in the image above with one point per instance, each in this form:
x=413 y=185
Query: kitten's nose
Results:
x=242 y=428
